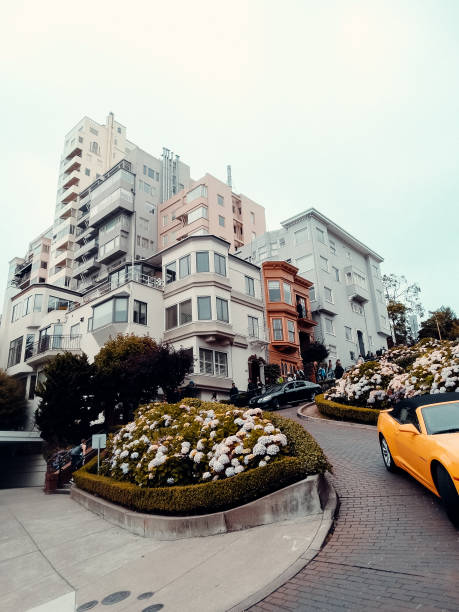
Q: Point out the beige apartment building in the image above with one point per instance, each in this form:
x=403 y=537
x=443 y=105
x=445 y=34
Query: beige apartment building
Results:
x=209 y=206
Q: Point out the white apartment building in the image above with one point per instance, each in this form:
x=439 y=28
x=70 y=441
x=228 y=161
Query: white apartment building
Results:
x=347 y=299
x=193 y=295
x=90 y=151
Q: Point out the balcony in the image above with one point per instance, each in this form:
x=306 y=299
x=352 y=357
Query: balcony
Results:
x=117 y=247
x=70 y=194
x=68 y=210
x=285 y=346
x=73 y=178
x=73 y=164
x=213 y=332
x=326 y=307
x=22 y=268
x=64 y=257
x=75 y=152
x=121 y=200
x=86 y=267
x=49 y=346
x=184 y=231
x=87 y=248
x=357 y=293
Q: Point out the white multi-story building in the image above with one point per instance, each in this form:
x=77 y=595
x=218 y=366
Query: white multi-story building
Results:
x=193 y=295
x=90 y=152
x=347 y=299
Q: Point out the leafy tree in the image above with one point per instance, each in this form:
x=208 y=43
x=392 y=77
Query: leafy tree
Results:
x=67 y=407
x=314 y=351
x=443 y=322
x=130 y=369
x=12 y=403
x=272 y=373
x=402 y=300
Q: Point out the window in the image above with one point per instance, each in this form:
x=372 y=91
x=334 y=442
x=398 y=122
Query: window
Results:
x=348 y=333
x=359 y=280
x=252 y=216
x=329 y=327
x=332 y=247
x=185 y=313
x=171 y=272
x=222 y=310
x=328 y=294
x=16 y=312
x=220 y=200
x=320 y=235
x=221 y=221
x=171 y=317
x=75 y=330
x=198 y=192
x=323 y=263
x=291 y=330
x=145 y=170
x=220 y=264
x=165 y=219
x=29 y=347
x=138 y=240
x=151 y=173
x=56 y=303
x=221 y=364
x=94 y=147
x=184 y=266
x=111 y=311
x=358 y=308
x=277 y=329
x=287 y=293
x=140 y=312
x=253 y=327
x=336 y=273
x=144 y=224
x=206 y=361
x=87 y=171
x=348 y=254
x=147 y=188
x=274 y=291
x=281 y=242
x=197 y=213
x=27 y=307
x=93 y=131
x=33 y=382
x=165 y=240
x=249 y=286
x=202 y=261
x=14 y=354
x=145 y=243
x=204 y=308
x=300 y=236
x=90 y=323
x=301 y=307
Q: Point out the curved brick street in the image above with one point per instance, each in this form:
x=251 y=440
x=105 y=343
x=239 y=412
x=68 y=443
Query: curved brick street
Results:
x=392 y=548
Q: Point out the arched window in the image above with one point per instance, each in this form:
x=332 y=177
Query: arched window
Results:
x=94 y=147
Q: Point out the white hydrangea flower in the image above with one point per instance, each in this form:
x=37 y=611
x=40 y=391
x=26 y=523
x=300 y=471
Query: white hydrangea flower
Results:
x=234 y=462
x=259 y=449
x=124 y=454
x=124 y=467
x=262 y=463
x=269 y=428
x=239 y=449
x=239 y=468
x=198 y=456
x=229 y=471
x=170 y=481
x=206 y=475
x=134 y=455
x=272 y=449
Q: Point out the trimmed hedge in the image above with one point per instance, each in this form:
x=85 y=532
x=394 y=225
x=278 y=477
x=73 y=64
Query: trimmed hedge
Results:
x=306 y=458
x=342 y=412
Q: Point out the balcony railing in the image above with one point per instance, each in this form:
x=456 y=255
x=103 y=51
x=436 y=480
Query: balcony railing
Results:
x=122 y=279
x=52 y=343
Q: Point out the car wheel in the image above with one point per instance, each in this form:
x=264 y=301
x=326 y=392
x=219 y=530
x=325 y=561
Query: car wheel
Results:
x=387 y=455
x=276 y=405
x=448 y=494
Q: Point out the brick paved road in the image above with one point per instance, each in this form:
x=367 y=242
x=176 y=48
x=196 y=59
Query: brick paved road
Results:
x=392 y=548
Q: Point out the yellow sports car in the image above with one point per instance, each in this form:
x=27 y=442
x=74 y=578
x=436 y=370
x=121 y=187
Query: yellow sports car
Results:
x=421 y=435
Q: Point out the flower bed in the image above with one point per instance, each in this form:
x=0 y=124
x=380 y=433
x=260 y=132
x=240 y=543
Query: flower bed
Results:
x=201 y=457
x=430 y=366
x=343 y=412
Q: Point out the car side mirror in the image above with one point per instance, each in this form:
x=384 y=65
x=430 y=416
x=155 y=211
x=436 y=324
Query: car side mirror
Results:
x=408 y=428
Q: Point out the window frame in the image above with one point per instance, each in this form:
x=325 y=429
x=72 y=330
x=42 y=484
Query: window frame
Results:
x=277 y=329
x=137 y=310
x=222 y=305
x=249 y=285
x=199 y=300
x=198 y=253
x=221 y=259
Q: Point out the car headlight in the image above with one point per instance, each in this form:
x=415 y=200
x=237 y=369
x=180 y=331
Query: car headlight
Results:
x=266 y=398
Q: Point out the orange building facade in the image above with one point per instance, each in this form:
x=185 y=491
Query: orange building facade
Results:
x=288 y=314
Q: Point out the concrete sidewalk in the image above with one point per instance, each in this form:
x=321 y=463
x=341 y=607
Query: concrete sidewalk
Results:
x=51 y=548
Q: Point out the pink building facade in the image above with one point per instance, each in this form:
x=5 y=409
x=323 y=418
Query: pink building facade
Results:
x=209 y=206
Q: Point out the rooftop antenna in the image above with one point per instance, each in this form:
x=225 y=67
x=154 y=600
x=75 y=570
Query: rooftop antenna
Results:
x=229 y=179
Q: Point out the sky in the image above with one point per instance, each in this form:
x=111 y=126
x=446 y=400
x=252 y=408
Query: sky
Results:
x=348 y=106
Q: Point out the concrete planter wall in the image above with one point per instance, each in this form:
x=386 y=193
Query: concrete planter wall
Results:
x=300 y=499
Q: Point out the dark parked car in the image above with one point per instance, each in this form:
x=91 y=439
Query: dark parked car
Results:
x=288 y=393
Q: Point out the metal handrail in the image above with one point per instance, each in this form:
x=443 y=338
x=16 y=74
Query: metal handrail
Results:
x=53 y=343
x=114 y=283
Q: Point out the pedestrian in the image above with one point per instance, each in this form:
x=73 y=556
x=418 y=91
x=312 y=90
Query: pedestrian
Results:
x=339 y=370
x=321 y=372
x=77 y=455
x=259 y=386
x=251 y=387
x=290 y=377
x=214 y=397
x=234 y=392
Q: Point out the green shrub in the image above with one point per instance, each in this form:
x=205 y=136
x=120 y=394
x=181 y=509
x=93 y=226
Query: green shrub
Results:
x=306 y=457
x=343 y=412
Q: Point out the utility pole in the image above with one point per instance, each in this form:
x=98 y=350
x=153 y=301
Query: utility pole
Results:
x=436 y=321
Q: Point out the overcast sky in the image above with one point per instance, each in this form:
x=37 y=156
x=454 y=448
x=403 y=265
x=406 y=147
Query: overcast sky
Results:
x=351 y=107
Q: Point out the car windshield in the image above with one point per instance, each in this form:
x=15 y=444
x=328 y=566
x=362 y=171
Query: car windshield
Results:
x=441 y=418
x=273 y=389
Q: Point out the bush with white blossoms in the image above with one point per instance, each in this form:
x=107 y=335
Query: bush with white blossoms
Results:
x=181 y=444
x=430 y=366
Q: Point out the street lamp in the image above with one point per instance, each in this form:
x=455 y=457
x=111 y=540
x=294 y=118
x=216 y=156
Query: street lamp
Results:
x=434 y=314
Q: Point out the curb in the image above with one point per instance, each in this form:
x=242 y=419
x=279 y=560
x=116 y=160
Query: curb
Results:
x=304 y=559
x=335 y=422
